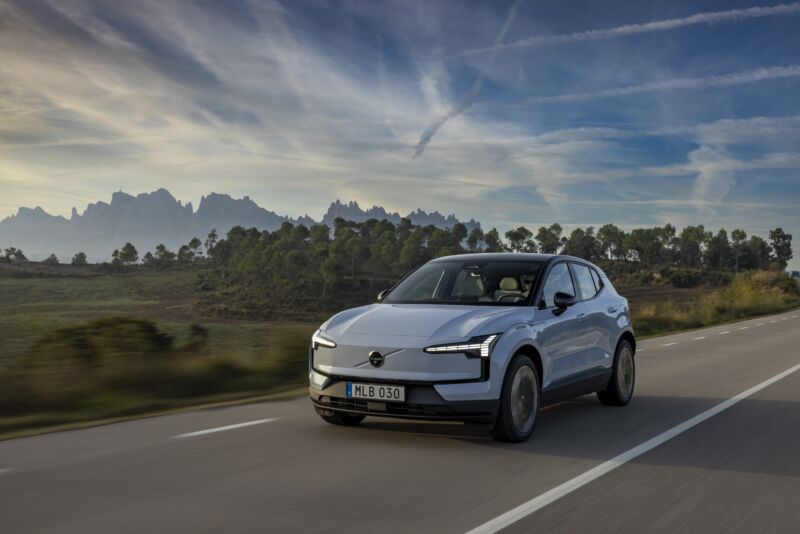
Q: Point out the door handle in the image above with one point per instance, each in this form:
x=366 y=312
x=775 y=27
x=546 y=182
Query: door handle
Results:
x=612 y=309
x=581 y=316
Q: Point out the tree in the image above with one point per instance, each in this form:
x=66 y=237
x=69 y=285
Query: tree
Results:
x=738 y=237
x=474 y=239
x=163 y=256
x=583 y=244
x=79 y=259
x=185 y=255
x=519 y=240
x=493 y=241
x=195 y=245
x=611 y=239
x=550 y=239
x=755 y=254
x=148 y=260
x=690 y=245
x=459 y=232
x=211 y=242
x=51 y=260
x=15 y=255
x=128 y=255
x=115 y=259
x=781 y=247
x=718 y=252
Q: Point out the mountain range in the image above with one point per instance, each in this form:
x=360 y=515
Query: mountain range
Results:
x=148 y=219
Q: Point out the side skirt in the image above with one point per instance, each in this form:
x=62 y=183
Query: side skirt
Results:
x=575 y=386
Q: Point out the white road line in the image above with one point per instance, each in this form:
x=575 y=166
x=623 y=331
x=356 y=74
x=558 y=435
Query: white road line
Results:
x=744 y=328
x=723 y=333
x=224 y=428
x=794 y=317
x=5 y=470
x=537 y=503
x=669 y=344
x=773 y=321
x=760 y=324
x=785 y=319
x=699 y=338
x=640 y=350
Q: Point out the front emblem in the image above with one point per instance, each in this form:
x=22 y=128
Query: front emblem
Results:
x=376 y=358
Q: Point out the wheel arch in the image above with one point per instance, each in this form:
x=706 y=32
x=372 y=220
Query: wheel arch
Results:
x=533 y=353
x=628 y=336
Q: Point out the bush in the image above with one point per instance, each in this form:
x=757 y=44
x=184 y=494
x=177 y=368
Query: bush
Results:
x=749 y=294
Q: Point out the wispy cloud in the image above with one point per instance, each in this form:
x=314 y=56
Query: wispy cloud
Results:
x=749 y=76
x=647 y=27
x=466 y=101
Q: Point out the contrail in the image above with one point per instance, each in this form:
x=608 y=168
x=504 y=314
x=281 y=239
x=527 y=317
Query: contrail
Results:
x=634 y=29
x=469 y=97
x=748 y=76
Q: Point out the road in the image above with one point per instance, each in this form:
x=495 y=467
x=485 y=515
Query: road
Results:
x=277 y=467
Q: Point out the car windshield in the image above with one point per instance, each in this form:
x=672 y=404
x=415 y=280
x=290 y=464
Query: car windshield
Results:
x=473 y=282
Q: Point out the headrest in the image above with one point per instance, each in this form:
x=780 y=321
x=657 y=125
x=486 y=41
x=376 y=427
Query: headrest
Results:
x=509 y=283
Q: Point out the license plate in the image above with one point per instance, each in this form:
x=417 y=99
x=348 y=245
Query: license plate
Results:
x=382 y=392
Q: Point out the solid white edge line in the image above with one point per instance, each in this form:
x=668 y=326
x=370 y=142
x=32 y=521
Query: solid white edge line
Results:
x=537 y=503
x=224 y=428
x=744 y=328
x=723 y=333
x=699 y=338
x=669 y=344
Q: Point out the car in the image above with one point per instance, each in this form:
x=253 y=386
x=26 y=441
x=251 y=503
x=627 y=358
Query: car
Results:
x=486 y=339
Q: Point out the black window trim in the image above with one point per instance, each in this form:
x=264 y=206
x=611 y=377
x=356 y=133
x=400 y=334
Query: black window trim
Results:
x=540 y=290
x=578 y=287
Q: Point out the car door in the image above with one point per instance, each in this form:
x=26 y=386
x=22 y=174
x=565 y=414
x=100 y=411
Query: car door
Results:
x=556 y=330
x=594 y=328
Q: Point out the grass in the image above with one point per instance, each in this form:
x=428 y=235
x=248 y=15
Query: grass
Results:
x=95 y=346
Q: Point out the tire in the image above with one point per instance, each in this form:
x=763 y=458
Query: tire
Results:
x=519 y=401
x=342 y=418
x=623 y=378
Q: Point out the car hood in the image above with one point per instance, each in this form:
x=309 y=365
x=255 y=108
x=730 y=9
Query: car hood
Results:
x=435 y=322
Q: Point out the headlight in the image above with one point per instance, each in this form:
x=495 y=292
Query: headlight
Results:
x=318 y=341
x=477 y=346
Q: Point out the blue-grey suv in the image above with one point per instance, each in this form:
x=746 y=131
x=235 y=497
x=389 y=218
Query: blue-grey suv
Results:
x=478 y=338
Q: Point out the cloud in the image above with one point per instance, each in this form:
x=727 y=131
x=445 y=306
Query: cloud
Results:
x=749 y=76
x=466 y=101
x=648 y=27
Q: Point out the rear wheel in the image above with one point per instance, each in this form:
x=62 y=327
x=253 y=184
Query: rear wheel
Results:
x=341 y=418
x=519 y=401
x=620 y=389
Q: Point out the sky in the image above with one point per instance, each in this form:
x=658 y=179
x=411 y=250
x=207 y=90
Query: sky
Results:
x=511 y=112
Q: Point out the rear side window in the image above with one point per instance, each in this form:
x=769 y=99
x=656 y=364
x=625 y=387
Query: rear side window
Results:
x=598 y=283
x=583 y=276
x=557 y=280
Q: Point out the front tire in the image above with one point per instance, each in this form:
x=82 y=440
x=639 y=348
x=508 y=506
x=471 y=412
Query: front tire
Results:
x=341 y=418
x=519 y=401
x=620 y=389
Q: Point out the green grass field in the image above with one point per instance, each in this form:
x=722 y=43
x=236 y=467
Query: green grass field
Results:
x=33 y=307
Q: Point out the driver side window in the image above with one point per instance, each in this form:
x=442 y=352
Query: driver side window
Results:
x=558 y=280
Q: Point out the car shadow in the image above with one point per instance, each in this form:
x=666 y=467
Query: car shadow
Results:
x=747 y=438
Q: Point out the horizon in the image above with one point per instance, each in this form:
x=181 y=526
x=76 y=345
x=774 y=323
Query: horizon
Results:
x=512 y=113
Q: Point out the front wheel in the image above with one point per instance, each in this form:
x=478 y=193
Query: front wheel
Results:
x=519 y=401
x=620 y=389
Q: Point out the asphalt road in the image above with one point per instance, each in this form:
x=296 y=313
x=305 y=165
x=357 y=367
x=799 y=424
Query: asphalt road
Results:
x=277 y=467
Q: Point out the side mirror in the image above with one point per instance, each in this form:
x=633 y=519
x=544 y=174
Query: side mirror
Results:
x=382 y=294
x=564 y=300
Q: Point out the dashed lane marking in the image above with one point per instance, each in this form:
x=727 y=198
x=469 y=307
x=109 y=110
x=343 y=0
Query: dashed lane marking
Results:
x=224 y=428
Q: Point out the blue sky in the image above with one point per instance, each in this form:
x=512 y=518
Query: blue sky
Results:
x=523 y=112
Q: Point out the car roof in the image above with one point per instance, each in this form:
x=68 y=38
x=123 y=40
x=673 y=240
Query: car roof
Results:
x=513 y=256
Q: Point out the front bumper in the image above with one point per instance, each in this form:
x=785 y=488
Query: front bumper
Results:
x=422 y=402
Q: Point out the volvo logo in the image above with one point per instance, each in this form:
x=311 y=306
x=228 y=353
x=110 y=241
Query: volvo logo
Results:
x=376 y=358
